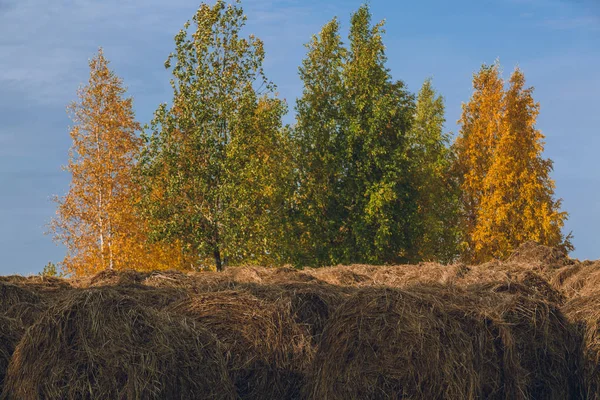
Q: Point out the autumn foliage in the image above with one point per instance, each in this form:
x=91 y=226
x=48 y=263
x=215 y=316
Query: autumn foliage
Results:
x=97 y=220
x=507 y=192
x=367 y=174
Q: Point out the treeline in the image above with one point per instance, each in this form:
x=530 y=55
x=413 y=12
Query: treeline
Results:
x=365 y=175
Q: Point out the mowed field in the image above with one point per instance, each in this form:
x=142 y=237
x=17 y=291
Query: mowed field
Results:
x=525 y=328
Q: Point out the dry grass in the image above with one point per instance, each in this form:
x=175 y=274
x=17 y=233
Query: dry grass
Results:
x=266 y=351
x=98 y=343
x=584 y=312
x=444 y=342
x=10 y=334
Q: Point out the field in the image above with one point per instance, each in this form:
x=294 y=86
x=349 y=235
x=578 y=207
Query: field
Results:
x=525 y=328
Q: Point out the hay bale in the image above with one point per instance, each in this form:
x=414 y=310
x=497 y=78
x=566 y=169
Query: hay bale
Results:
x=392 y=343
x=539 y=340
x=540 y=256
x=10 y=334
x=584 y=313
x=12 y=294
x=578 y=279
x=266 y=351
x=98 y=343
x=447 y=342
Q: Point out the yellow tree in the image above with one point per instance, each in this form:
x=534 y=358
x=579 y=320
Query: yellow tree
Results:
x=508 y=195
x=480 y=123
x=96 y=220
x=518 y=203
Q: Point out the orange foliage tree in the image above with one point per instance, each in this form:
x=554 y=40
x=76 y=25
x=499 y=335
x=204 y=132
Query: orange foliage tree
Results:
x=508 y=195
x=97 y=219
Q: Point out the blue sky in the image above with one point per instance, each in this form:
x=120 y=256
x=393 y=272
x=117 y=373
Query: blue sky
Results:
x=45 y=45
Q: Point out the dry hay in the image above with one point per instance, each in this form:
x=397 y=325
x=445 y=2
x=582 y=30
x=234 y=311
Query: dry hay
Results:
x=391 y=343
x=253 y=274
x=526 y=283
x=12 y=294
x=584 y=312
x=97 y=343
x=266 y=351
x=26 y=313
x=10 y=334
x=111 y=277
x=309 y=304
x=578 y=279
x=443 y=342
x=344 y=275
x=169 y=279
x=539 y=256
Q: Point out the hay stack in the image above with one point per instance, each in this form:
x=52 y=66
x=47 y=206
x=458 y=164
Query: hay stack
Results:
x=443 y=342
x=12 y=294
x=10 y=334
x=584 y=312
x=539 y=256
x=578 y=279
x=99 y=344
x=266 y=351
x=391 y=343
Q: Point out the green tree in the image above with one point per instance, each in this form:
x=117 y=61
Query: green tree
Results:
x=438 y=191
x=320 y=139
x=356 y=199
x=216 y=167
x=378 y=191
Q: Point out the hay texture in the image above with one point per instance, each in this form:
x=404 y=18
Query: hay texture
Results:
x=266 y=351
x=436 y=342
x=100 y=344
x=10 y=334
x=584 y=312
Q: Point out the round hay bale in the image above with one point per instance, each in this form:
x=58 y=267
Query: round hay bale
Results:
x=584 y=313
x=99 y=344
x=12 y=294
x=10 y=334
x=266 y=351
x=392 y=343
x=537 y=343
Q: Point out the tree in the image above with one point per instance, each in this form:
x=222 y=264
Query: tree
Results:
x=508 y=192
x=215 y=168
x=475 y=145
x=437 y=188
x=320 y=142
x=355 y=196
x=96 y=220
x=378 y=191
x=519 y=202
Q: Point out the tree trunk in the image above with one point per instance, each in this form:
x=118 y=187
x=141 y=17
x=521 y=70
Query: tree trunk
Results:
x=218 y=263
